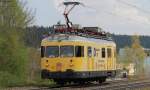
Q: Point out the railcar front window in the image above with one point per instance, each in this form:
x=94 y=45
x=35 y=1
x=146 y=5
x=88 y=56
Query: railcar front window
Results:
x=79 y=51
x=42 y=51
x=52 y=51
x=66 y=51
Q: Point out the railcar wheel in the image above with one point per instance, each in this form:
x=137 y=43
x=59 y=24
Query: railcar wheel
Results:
x=81 y=82
x=61 y=83
x=102 y=80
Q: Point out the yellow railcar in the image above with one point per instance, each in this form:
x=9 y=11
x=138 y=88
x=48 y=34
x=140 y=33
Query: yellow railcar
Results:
x=66 y=58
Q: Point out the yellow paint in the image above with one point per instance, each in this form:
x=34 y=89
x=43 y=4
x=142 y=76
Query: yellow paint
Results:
x=94 y=63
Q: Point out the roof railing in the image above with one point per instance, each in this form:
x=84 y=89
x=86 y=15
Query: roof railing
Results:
x=88 y=32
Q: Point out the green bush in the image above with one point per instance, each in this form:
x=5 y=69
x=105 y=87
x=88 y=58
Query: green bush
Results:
x=13 y=60
x=7 y=80
x=13 y=53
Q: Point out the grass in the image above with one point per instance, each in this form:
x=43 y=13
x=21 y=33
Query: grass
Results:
x=146 y=88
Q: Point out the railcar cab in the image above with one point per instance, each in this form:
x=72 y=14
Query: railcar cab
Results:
x=61 y=53
x=72 y=57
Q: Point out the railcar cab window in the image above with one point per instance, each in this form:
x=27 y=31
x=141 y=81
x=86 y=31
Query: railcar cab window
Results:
x=103 y=53
x=42 y=51
x=89 y=52
x=66 y=51
x=79 y=51
x=109 y=52
x=52 y=51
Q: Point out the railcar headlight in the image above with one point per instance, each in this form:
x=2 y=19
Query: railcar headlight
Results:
x=47 y=65
x=71 y=64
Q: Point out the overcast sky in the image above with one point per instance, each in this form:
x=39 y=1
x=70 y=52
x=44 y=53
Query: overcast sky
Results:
x=115 y=16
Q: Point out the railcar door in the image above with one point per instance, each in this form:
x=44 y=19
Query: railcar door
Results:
x=109 y=59
x=90 y=58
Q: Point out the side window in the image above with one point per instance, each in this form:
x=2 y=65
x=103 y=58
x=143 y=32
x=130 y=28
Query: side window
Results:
x=109 y=52
x=89 y=53
x=79 y=51
x=97 y=52
x=115 y=53
x=94 y=52
x=42 y=51
x=103 y=53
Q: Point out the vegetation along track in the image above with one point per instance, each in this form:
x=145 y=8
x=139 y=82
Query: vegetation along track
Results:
x=124 y=84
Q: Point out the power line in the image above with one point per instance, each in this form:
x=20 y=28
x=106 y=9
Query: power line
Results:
x=134 y=6
x=116 y=15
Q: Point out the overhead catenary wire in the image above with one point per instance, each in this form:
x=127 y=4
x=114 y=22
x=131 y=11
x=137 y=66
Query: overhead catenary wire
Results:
x=115 y=14
x=134 y=6
x=128 y=4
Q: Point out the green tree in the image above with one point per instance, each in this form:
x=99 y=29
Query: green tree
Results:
x=13 y=53
x=134 y=54
x=138 y=54
x=126 y=57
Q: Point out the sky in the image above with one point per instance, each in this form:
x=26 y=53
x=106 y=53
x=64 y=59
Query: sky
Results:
x=114 y=16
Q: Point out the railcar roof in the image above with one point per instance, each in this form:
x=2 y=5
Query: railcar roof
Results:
x=75 y=38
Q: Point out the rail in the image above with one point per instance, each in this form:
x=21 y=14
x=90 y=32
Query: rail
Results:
x=123 y=84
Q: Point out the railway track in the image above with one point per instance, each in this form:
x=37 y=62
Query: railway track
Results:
x=124 y=84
